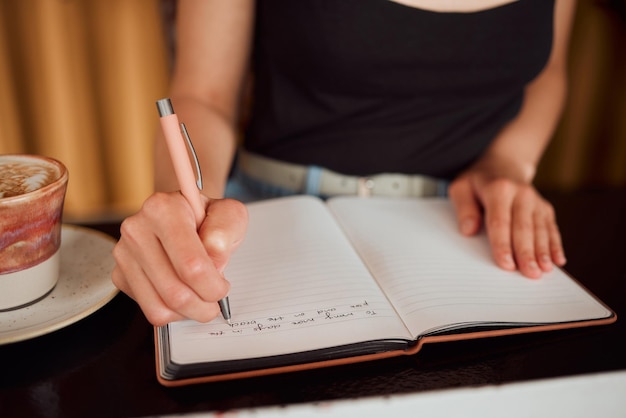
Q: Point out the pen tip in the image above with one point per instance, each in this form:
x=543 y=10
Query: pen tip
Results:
x=228 y=321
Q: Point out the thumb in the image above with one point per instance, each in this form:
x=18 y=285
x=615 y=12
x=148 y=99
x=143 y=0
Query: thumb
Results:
x=223 y=230
x=468 y=209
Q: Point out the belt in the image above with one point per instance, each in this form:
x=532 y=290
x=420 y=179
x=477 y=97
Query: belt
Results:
x=294 y=177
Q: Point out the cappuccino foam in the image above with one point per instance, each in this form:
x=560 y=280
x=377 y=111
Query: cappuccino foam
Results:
x=19 y=176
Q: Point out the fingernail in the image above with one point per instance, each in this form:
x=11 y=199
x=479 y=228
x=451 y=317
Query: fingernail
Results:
x=467 y=226
x=508 y=261
x=545 y=261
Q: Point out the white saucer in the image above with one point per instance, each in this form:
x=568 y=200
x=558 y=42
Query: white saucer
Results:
x=84 y=286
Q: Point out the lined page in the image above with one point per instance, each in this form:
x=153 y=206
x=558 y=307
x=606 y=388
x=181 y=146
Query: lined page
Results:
x=439 y=279
x=296 y=285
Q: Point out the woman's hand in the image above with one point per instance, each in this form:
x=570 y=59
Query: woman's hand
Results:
x=497 y=190
x=170 y=268
x=520 y=224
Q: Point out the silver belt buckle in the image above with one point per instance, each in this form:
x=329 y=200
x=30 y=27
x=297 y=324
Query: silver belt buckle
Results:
x=365 y=186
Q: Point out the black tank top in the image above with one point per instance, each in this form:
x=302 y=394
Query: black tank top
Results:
x=372 y=86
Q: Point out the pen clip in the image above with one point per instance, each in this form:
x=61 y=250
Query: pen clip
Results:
x=194 y=155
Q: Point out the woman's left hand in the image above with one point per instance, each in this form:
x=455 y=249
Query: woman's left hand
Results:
x=520 y=223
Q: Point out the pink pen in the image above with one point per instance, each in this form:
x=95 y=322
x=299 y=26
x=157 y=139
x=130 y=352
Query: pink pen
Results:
x=190 y=186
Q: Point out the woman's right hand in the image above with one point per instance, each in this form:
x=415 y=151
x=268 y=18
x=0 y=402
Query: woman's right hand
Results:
x=172 y=269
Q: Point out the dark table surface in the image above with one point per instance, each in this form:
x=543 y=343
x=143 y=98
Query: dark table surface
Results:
x=103 y=365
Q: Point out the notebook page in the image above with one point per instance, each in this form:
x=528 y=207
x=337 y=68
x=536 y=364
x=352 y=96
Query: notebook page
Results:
x=296 y=285
x=436 y=277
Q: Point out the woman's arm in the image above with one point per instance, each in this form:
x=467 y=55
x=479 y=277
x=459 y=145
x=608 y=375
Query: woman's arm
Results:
x=497 y=190
x=172 y=268
x=212 y=53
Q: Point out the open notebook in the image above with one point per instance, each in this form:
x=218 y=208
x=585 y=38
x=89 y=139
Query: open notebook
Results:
x=322 y=283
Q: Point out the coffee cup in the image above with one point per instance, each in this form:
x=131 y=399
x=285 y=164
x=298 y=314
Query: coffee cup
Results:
x=32 y=193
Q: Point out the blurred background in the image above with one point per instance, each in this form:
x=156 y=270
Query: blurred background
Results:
x=79 y=79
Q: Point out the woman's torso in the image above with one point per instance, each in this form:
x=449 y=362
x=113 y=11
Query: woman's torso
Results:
x=370 y=86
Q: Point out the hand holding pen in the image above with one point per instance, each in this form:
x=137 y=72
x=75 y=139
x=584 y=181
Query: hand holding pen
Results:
x=172 y=253
x=190 y=184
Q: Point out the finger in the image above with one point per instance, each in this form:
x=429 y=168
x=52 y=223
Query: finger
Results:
x=523 y=234
x=155 y=284
x=542 y=243
x=178 y=294
x=468 y=209
x=557 y=252
x=223 y=230
x=177 y=254
x=497 y=204
x=139 y=289
x=131 y=279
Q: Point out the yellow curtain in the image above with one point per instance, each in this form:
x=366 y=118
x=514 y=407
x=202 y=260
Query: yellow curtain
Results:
x=78 y=82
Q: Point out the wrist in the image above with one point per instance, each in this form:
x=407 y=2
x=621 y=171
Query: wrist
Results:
x=493 y=166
